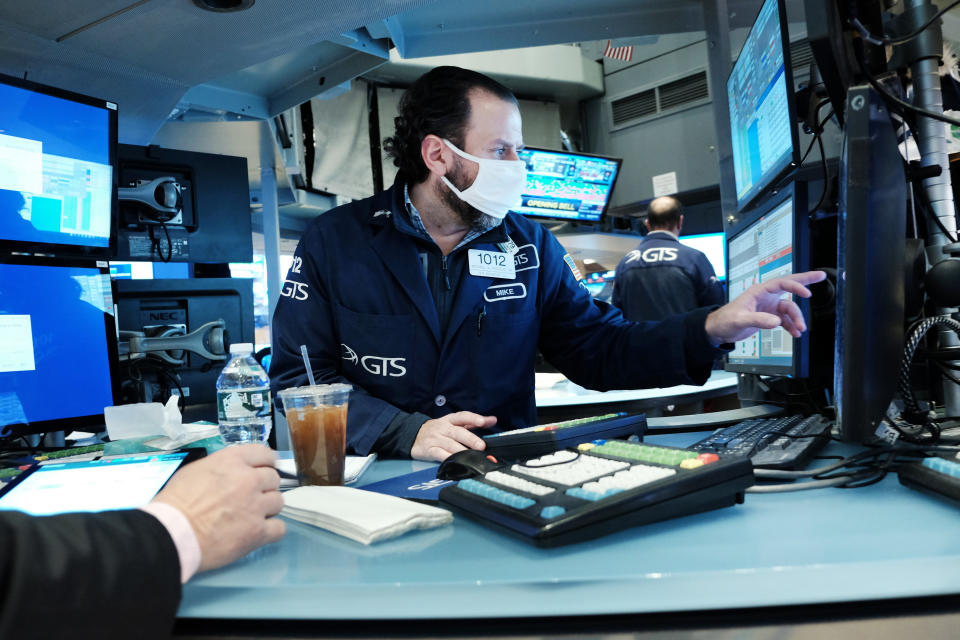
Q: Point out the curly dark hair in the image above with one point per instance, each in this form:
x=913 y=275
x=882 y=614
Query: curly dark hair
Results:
x=438 y=103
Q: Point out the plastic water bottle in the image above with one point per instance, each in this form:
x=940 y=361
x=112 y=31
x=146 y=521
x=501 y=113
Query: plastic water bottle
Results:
x=243 y=398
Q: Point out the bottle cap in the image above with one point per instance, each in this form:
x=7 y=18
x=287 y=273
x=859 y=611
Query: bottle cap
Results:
x=241 y=347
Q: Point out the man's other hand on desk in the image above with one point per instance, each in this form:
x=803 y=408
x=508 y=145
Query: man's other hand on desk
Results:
x=763 y=306
x=441 y=437
x=229 y=498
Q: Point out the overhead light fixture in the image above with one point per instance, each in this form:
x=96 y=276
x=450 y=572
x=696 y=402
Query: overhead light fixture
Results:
x=224 y=6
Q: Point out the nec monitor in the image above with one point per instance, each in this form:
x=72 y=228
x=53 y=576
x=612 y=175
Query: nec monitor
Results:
x=567 y=185
x=772 y=243
x=175 y=308
x=760 y=101
x=58 y=344
x=870 y=267
x=712 y=245
x=57 y=171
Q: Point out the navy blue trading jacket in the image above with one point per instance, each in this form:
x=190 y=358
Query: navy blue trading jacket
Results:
x=358 y=297
x=663 y=277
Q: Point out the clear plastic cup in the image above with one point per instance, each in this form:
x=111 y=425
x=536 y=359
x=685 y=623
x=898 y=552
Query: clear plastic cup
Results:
x=317 y=417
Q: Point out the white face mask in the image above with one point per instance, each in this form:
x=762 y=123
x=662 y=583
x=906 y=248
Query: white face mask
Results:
x=497 y=187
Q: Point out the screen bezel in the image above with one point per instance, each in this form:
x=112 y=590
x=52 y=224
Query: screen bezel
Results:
x=606 y=205
x=759 y=189
x=801 y=262
x=192 y=454
x=73 y=250
x=73 y=423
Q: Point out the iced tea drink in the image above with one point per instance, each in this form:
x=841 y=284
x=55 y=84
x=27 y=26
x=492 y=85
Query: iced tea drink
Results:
x=317 y=417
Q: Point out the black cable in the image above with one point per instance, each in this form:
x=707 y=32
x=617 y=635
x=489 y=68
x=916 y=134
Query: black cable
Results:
x=912 y=412
x=826 y=178
x=886 y=40
x=155 y=241
x=858 y=54
x=816 y=135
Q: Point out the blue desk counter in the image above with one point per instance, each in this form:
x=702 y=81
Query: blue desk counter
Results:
x=823 y=546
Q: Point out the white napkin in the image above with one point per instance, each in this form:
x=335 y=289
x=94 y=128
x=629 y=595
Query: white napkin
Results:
x=360 y=515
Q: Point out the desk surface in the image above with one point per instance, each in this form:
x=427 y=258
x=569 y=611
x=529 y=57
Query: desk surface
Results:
x=830 y=545
x=554 y=390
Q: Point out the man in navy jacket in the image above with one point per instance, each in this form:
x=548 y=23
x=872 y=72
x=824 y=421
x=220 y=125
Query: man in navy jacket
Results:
x=663 y=277
x=432 y=300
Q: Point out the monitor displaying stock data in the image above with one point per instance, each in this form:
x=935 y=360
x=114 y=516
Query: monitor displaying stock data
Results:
x=567 y=185
x=759 y=89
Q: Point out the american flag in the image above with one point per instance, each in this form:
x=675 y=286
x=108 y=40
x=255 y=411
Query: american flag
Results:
x=618 y=53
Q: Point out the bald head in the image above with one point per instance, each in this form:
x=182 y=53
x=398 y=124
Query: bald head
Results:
x=665 y=214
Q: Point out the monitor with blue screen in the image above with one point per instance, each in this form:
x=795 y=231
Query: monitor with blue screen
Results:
x=712 y=245
x=58 y=343
x=57 y=170
x=567 y=185
x=759 y=98
x=771 y=244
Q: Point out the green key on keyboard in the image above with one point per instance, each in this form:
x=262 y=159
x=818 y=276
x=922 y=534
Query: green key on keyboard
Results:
x=643 y=452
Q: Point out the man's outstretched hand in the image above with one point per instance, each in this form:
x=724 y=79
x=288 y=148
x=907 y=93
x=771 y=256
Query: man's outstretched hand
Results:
x=763 y=306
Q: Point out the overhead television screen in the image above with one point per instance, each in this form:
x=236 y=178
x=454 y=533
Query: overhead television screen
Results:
x=57 y=167
x=567 y=185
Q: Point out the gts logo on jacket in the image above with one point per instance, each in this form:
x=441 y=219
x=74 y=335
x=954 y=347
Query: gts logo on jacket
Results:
x=377 y=365
x=655 y=254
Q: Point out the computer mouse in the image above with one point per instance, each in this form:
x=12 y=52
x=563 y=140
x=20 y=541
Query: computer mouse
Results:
x=468 y=463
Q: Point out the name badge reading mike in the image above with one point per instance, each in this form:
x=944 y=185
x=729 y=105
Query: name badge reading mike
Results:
x=491 y=264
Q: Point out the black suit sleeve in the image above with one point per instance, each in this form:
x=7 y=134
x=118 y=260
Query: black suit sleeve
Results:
x=106 y=575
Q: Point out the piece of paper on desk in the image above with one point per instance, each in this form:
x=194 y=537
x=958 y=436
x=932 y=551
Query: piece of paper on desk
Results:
x=363 y=516
x=353 y=468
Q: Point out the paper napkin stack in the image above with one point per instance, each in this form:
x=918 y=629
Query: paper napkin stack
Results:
x=363 y=516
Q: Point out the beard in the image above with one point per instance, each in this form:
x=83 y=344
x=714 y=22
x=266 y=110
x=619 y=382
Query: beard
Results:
x=471 y=216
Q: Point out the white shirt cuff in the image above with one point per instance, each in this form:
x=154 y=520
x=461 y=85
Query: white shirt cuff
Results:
x=184 y=538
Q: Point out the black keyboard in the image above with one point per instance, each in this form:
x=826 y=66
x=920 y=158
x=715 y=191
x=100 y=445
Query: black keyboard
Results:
x=771 y=443
x=547 y=438
x=601 y=487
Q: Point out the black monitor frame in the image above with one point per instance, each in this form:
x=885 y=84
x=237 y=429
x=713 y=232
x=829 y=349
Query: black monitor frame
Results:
x=72 y=250
x=606 y=206
x=800 y=366
x=758 y=190
x=72 y=423
x=871 y=249
x=156 y=303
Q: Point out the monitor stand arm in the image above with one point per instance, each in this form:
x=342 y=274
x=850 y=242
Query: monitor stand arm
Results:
x=210 y=341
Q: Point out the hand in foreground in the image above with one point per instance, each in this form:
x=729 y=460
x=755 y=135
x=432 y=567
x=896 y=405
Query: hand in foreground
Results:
x=229 y=498
x=440 y=437
x=763 y=306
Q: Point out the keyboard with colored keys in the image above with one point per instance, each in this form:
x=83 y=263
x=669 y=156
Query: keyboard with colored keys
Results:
x=600 y=487
x=546 y=438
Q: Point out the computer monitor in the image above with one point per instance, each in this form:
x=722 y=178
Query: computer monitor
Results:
x=870 y=267
x=712 y=245
x=178 y=307
x=58 y=344
x=771 y=242
x=596 y=281
x=567 y=185
x=760 y=101
x=57 y=171
x=210 y=219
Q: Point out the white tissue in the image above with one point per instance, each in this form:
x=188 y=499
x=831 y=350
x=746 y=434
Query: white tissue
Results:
x=136 y=420
x=154 y=419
